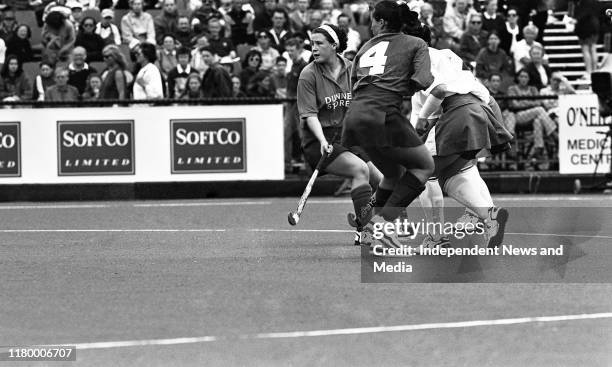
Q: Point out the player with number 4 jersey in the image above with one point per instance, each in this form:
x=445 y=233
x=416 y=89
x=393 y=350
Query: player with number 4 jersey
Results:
x=387 y=68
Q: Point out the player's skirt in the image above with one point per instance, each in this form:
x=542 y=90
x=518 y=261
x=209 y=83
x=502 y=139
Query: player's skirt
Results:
x=469 y=126
x=374 y=120
x=312 y=150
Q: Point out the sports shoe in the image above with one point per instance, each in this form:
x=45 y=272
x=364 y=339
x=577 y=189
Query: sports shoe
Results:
x=367 y=212
x=388 y=240
x=463 y=220
x=495 y=226
x=430 y=242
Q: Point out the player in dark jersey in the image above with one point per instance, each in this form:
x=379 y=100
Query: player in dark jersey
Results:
x=388 y=67
x=323 y=96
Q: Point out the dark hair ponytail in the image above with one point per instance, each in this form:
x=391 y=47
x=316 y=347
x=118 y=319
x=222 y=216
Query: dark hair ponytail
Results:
x=399 y=17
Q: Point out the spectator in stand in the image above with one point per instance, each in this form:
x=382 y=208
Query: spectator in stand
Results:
x=148 y=82
x=494 y=84
x=58 y=38
x=521 y=49
x=539 y=74
x=268 y=53
x=196 y=56
x=300 y=17
x=237 y=88
x=316 y=20
x=201 y=16
x=473 y=40
x=216 y=81
x=89 y=40
x=559 y=85
x=61 y=91
x=59 y=6
x=261 y=85
x=8 y=24
x=166 y=56
x=19 y=45
x=530 y=112
x=353 y=38
x=241 y=18
x=263 y=14
x=79 y=70
x=491 y=20
x=301 y=52
x=291 y=117
x=220 y=46
x=193 y=89
x=511 y=34
x=76 y=14
x=43 y=81
x=492 y=59
x=250 y=67
x=586 y=13
x=114 y=81
x=14 y=84
x=279 y=78
x=166 y=22
x=330 y=11
x=454 y=23
x=280 y=31
x=177 y=77
x=184 y=35
x=107 y=30
x=137 y=26
x=92 y=91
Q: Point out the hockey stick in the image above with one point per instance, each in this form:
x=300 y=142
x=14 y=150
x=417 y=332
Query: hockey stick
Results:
x=294 y=217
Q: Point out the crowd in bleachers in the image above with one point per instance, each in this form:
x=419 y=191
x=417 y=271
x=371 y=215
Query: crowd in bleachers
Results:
x=69 y=50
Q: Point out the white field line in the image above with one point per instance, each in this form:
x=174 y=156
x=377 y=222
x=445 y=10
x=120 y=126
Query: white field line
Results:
x=347 y=331
x=214 y=203
x=102 y=230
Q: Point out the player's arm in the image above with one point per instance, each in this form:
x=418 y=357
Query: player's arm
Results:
x=308 y=108
x=431 y=105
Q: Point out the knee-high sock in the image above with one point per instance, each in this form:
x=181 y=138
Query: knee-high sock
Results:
x=465 y=188
x=381 y=196
x=361 y=195
x=406 y=190
x=432 y=201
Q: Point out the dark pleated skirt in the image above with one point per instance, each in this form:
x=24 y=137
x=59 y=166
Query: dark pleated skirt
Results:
x=469 y=125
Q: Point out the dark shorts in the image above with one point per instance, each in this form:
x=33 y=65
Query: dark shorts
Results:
x=312 y=154
x=374 y=120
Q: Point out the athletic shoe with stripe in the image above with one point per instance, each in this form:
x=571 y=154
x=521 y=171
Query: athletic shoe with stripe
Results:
x=495 y=226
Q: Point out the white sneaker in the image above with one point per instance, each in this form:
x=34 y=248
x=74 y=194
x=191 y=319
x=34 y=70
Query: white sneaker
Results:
x=463 y=220
x=495 y=226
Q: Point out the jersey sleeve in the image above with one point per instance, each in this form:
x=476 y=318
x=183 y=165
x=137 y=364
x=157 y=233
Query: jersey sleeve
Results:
x=307 y=95
x=422 y=77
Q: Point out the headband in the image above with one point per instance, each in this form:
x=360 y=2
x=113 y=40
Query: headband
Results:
x=331 y=33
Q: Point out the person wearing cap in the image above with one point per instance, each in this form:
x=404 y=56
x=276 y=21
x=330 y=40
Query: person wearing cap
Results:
x=8 y=25
x=137 y=26
x=107 y=30
x=58 y=37
x=59 y=6
x=76 y=13
x=268 y=53
x=88 y=39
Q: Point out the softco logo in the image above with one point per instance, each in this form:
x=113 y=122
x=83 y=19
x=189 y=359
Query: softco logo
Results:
x=208 y=145
x=95 y=147
x=10 y=149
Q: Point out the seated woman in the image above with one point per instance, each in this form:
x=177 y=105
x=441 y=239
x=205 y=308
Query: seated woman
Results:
x=530 y=112
x=492 y=59
x=14 y=84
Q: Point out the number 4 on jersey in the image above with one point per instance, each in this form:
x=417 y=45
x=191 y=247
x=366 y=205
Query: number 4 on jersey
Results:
x=374 y=58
